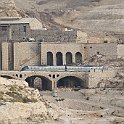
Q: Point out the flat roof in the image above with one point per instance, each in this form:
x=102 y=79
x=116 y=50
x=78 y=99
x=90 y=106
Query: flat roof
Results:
x=15 y=20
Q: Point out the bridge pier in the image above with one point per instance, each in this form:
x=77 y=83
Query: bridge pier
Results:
x=53 y=84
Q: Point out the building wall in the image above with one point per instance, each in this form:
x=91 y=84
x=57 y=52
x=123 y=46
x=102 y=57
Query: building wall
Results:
x=120 y=50
x=95 y=76
x=35 y=24
x=5 y=61
x=26 y=53
x=19 y=54
x=54 y=35
x=109 y=50
x=4 y=34
x=14 y=32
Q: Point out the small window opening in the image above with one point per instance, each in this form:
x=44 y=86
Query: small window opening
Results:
x=4 y=28
x=53 y=76
x=98 y=53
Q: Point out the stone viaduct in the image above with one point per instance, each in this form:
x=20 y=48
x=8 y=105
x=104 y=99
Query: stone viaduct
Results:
x=51 y=80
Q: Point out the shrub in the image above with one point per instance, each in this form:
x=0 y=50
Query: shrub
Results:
x=19 y=98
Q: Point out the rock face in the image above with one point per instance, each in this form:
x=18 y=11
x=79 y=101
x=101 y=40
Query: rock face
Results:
x=19 y=103
x=8 y=8
x=89 y=16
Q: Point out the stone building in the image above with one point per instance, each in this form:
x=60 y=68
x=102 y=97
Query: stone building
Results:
x=16 y=55
x=49 y=48
x=17 y=28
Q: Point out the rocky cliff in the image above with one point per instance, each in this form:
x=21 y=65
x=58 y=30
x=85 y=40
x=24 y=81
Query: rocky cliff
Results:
x=21 y=104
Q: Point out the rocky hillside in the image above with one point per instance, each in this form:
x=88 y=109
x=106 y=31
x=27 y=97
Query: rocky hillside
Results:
x=21 y=104
x=99 y=18
x=89 y=16
x=8 y=8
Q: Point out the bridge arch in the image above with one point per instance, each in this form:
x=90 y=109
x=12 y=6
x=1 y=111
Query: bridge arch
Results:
x=39 y=82
x=71 y=82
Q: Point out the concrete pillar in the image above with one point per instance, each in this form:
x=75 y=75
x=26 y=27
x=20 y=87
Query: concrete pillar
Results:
x=54 y=59
x=5 y=56
x=53 y=84
x=43 y=57
x=86 y=53
x=64 y=59
x=73 y=58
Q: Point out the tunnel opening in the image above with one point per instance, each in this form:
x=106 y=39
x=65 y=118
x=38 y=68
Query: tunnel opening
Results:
x=39 y=82
x=71 y=82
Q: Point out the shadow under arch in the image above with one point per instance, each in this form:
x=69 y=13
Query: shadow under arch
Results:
x=39 y=82
x=71 y=82
x=7 y=77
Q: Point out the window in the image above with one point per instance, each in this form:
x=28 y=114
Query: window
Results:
x=105 y=41
x=59 y=59
x=24 y=28
x=53 y=76
x=4 y=28
x=78 y=58
x=97 y=52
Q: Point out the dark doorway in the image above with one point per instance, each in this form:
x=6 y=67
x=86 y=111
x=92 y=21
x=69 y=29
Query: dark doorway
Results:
x=68 y=58
x=78 y=58
x=10 y=56
x=40 y=83
x=71 y=82
x=49 y=58
x=59 y=59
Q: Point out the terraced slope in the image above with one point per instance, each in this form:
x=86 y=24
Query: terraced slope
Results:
x=104 y=18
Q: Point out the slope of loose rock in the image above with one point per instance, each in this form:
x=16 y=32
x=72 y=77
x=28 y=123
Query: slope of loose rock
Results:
x=18 y=102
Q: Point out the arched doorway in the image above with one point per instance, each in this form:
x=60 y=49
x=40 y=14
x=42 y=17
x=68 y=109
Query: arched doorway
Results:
x=78 y=58
x=71 y=82
x=68 y=58
x=49 y=58
x=59 y=59
x=39 y=82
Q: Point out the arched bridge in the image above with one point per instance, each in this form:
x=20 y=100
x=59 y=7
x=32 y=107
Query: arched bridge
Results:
x=45 y=80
